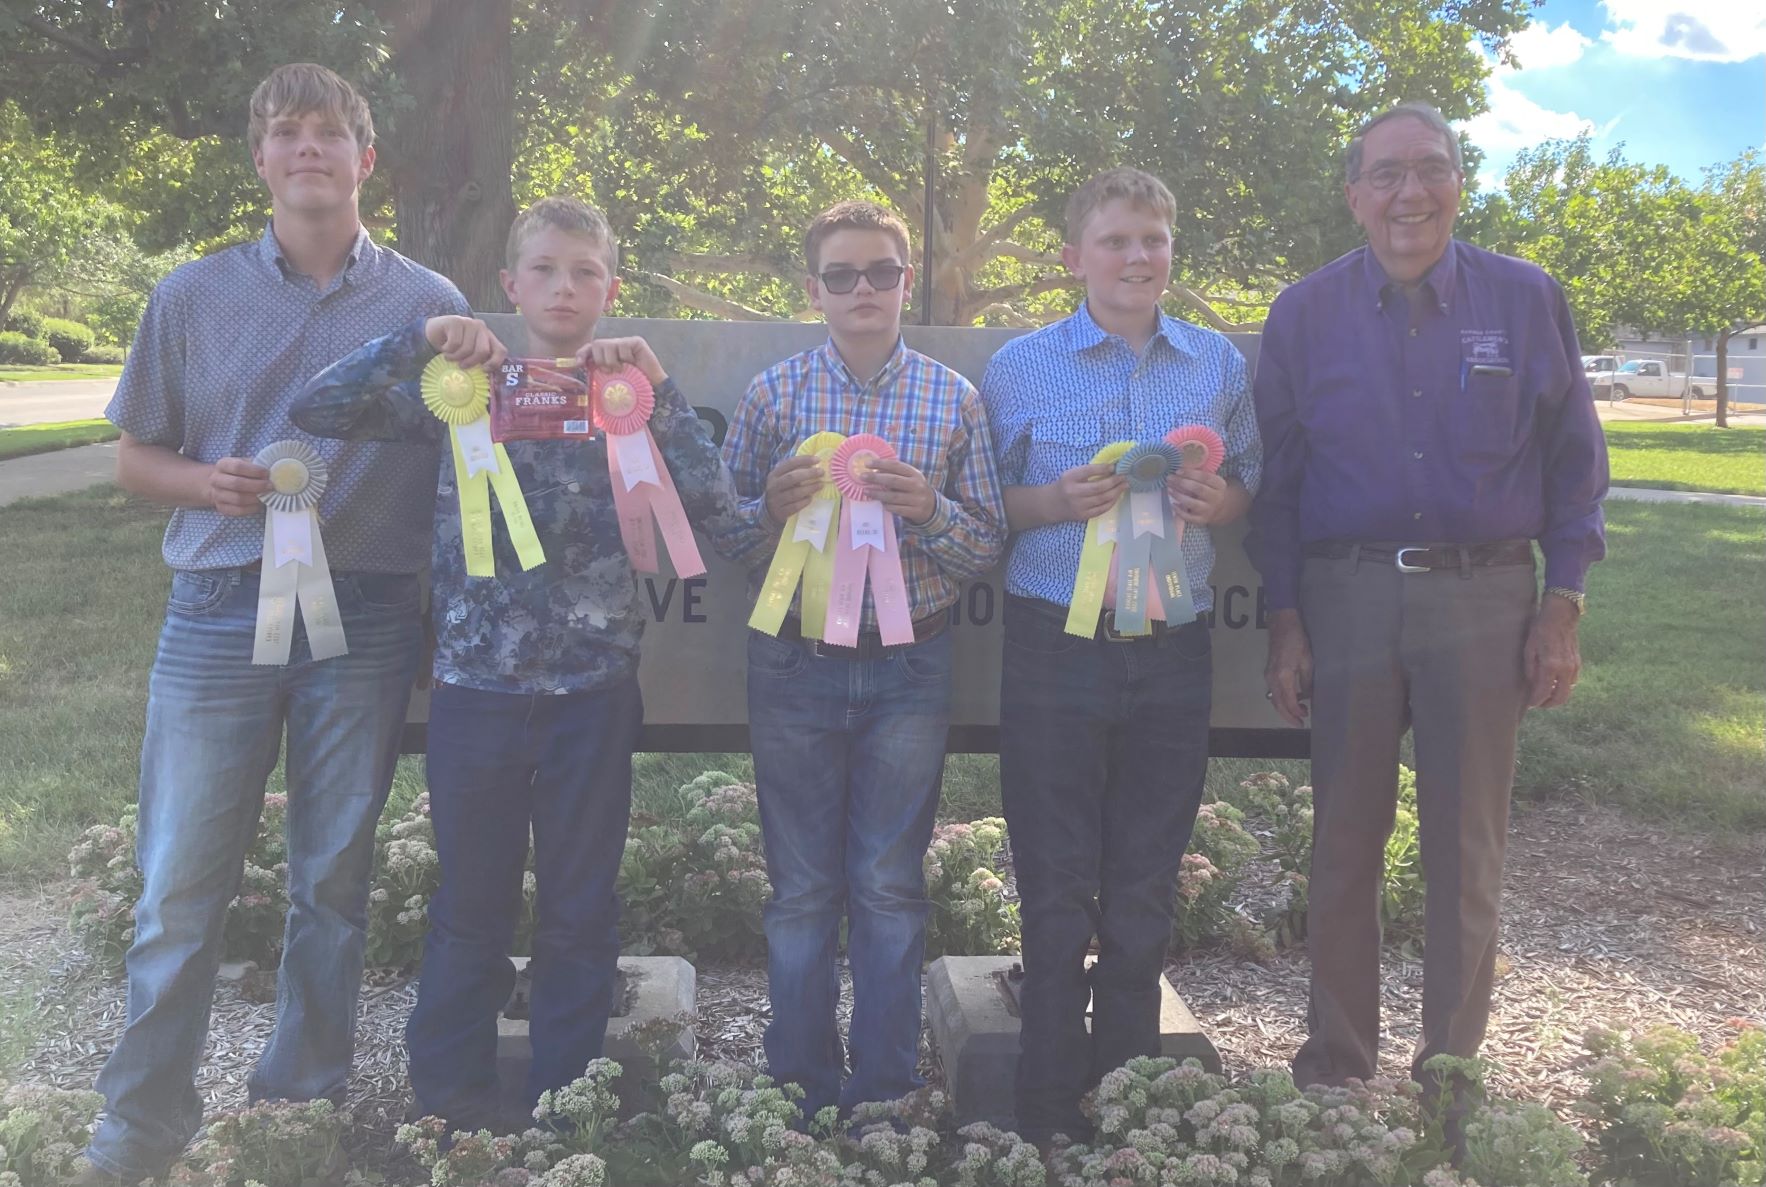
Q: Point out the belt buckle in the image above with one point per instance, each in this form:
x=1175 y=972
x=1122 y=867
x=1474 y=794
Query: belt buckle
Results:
x=1398 y=561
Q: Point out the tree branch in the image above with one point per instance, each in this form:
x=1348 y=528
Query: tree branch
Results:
x=703 y=301
x=982 y=250
x=90 y=53
x=1196 y=301
x=1013 y=292
x=1017 y=251
x=848 y=150
x=1010 y=316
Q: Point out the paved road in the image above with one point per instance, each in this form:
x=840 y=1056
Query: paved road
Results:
x=47 y=403
x=1668 y=412
x=1644 y=494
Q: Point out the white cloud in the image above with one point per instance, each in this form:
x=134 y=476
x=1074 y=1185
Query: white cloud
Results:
x=1513 y=121
x=1705 y=30
x=1541 y=47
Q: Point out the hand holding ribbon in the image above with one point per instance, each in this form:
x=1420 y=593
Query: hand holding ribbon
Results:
x=460 y=398
x=1100 y=545
x=1150 y=576
x=866 y=545
x=643 y=492
x=294 y=569
x=804 y=545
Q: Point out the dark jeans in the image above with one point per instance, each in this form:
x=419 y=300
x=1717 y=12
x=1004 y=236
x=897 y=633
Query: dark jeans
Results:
x=1103 y=750
x=498 y=764
x=848 y=758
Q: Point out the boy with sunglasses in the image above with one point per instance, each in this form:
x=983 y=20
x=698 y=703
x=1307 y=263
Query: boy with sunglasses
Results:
x=849 y=741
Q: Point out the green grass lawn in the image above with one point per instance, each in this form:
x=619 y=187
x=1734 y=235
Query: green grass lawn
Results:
x=28 y=439
x=1668 y=720
x=1688 y=457
x=21 y=373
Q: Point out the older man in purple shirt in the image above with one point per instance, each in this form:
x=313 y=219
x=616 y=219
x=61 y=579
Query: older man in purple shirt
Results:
x=1424 y=418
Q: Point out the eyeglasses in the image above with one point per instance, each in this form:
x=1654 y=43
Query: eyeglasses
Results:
x=881 y=277
x=1389 y=175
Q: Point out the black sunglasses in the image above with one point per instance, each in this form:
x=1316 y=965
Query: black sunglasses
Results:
x=881 y=277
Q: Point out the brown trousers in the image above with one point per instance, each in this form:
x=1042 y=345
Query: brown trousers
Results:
x=1441 y=653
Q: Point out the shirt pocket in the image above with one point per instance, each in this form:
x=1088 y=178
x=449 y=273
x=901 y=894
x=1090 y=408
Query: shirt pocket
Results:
x=1058 y=445
x=1487 y=415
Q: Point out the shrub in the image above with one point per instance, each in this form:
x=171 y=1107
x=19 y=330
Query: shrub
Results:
x=24 y=321
x=971 y=915
x=69 y=338
x=103 y=353
x=1219 y=851
x=694 y=880
x=42 y=1132
x=273 y=1144
x=1665 y=1113
x=29 y=352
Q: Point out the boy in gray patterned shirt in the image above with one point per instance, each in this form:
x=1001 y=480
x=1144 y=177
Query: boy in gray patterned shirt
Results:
x=224 y=347
x=536 y=707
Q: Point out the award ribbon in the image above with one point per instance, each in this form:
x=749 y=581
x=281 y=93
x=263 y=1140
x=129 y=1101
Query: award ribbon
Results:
x=1199 y=448
x=866 y=545
x=1147 y=559
x=1094 y=557
x=294 y=570
x=644 y=496
x=461 y=400
x=804 y=552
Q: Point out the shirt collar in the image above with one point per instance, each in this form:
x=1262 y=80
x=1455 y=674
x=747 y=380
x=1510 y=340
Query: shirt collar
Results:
x=1085 y=333
x=1439 y=279
x=897 y=360
x=270 y=248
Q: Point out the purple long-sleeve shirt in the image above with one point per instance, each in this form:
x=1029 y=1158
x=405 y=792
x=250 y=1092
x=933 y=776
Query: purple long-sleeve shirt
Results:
x=1464 y=419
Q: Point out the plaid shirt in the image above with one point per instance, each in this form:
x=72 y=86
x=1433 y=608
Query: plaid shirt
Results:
x=933 y=417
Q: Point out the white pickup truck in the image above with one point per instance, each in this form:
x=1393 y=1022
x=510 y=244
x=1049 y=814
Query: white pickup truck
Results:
x=1649 y=378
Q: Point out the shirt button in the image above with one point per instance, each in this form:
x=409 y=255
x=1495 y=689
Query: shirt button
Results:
x=1413 y=331
x=1417 y=394
x=1417 y=515
x=1418 y=455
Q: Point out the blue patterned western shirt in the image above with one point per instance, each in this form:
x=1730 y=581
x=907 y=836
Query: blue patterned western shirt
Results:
x=929 y=413
x=1057 y=396
x=226 y=344
x=572 y=624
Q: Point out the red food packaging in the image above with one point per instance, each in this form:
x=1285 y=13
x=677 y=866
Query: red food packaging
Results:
x=541 y=400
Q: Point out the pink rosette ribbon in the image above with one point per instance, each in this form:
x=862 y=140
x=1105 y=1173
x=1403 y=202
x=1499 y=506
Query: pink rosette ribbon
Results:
x=865 y=544
x=1200 y=448
x=644 y=496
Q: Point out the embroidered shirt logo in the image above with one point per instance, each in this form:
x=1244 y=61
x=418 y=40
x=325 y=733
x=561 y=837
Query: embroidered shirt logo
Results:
x=1488 y=347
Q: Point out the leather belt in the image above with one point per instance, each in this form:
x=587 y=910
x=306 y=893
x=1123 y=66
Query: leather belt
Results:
x=1106 y=630
x=1424 y=558
x=870 y=643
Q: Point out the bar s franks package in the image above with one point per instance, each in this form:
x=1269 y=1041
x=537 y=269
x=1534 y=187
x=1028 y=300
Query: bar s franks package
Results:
x=541 y=400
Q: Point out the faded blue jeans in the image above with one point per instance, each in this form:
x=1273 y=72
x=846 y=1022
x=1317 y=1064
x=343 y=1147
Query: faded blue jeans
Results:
x=848 y=760
x=215 y=724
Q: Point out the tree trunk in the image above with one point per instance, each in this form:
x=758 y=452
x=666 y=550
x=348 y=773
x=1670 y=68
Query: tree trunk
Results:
x=1723 y=377
x=454 y=146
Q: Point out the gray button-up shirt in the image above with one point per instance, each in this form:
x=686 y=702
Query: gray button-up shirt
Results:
x=225 y=346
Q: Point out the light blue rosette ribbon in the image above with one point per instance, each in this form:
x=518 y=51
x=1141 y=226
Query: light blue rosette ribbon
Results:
x=1148 y=557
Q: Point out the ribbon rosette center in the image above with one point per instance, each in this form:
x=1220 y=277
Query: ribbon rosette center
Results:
x=1199 y=447
x=854 y=461
x=453 y=393
x=1148 y=466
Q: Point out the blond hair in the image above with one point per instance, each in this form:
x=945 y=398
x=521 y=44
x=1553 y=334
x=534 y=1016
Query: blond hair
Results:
x=566 y=214
x=1131 y=185
x=302 y=87
x=854 y=215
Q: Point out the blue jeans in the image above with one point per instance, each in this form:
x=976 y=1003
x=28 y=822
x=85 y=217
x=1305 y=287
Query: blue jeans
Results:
x=500 y=766
x=848 y=759
x=1103 y=752
x=214 y=728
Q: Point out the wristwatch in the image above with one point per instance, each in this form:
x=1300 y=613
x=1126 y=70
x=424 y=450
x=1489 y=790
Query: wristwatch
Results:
x=1575 y=597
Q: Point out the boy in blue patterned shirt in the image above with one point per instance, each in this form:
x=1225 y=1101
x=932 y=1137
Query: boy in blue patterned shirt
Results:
x=536 y=707
x=849 y=741
x=1103 y=741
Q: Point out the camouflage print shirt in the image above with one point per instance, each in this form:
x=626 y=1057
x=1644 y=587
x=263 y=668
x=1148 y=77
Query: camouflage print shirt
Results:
x=569 y=625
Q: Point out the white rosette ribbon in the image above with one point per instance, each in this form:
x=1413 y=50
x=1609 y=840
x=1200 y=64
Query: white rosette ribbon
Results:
x=295 y=571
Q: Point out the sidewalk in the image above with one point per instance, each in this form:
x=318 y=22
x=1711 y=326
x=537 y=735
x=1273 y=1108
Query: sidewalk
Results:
x=1644 y=494
x=57 y=473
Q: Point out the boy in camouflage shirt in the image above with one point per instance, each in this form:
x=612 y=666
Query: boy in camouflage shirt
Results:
x=536 y=707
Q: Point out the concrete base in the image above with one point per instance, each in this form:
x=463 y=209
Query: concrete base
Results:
x=975 y=1030
x=655 y=987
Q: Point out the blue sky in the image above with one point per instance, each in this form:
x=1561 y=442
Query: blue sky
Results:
x=1676 y=82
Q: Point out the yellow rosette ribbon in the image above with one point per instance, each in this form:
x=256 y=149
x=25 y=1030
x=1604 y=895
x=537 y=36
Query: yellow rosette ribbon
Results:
x=294 y=572
x=461 y=399
x=805 y=551
x=1095 y=556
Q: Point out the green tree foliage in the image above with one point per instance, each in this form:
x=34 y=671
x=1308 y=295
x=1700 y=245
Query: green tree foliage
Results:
x=711 y=128
x=46 y=218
